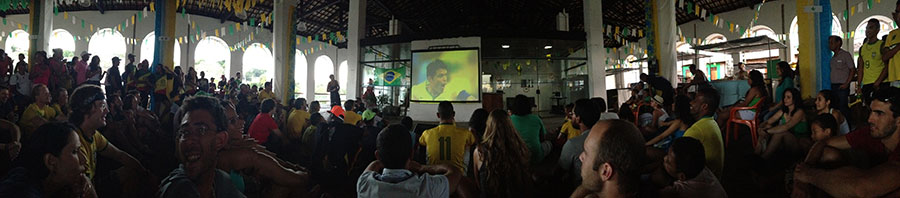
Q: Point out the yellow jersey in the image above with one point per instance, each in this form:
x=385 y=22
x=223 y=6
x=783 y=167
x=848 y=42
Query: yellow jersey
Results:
x=569 y=130
x=263 y=95
x=296 y=122
x=892 y=40
x=446 y=144
x=706 y=130
x=351 y=117
x=872 y=63
x=89 y=148
x=33 y=111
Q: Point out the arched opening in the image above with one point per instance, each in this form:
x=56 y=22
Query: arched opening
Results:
x=300 y=73
x=715 y=38
x=148 y=45
x=64 y=40
x=17 y=43
x=762 y=30
x=106 y=44
x=258 y=65
x=213 y=57
x=324 y=68
x=794 y=39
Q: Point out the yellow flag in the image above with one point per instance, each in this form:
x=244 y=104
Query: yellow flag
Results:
x=92 y=27
x=217 y=32
x=852 y=10
x=152 y=7
x=177 y=2
x=65 y=15
x=237 y=26
x=298 y=41
x=19 y=25
x=309 y=39
x=132 y=19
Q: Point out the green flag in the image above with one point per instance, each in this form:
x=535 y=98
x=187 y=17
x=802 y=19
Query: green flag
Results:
x=389 y=77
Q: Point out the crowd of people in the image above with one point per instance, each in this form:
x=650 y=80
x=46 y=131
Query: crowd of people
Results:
x=70 y=129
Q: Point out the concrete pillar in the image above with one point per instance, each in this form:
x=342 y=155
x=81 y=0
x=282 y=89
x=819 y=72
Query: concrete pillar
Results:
x=596 y=54
x=311 y=78
x=165 y=34
x=664 y=38
x=283 y=44
x=356 y=31
x=40 y=26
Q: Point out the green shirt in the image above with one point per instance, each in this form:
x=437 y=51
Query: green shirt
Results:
x=531 y=128
x=706 y=130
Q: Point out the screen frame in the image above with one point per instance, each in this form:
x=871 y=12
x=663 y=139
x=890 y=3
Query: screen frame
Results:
x=412 y=70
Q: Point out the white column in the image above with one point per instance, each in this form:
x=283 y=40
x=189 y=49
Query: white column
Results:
x=41 y=26
x=283 y=47
x=596 y=54
x=311 y=77
x=666 y=31
x=355 y=32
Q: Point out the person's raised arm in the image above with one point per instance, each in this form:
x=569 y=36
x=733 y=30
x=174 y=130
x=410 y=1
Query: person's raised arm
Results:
x=851 y=181
x=112 y=152
x=672 y=128
x=268 y=167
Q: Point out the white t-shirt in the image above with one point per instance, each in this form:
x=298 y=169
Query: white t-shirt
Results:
x=22 y=83
x=371 y=184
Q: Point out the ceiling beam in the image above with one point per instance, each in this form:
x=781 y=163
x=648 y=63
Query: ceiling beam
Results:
x=317 y=8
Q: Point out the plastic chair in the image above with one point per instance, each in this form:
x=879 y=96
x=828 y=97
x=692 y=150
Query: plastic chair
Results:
x=637 y=113
x=731 y=129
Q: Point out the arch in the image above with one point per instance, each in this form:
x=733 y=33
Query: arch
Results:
x=859 y=34
x=17 y=43
x=107 y=43
x=324 y=67
x=212 y=56
x=715 y=38
x=762 y=30
x=628 y=61
x=794 y=43
x=342 y=76
x=300 y=72
x=148 y=46
x=683 y=47
x=258 y=65
x=64 y=40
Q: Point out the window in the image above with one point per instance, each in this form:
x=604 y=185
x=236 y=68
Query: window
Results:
x=300 y=71
x=859 y=35
x=795 y=43
x=17 y=43
x=107 y=43
x=148 y=46
x=258 y=65
x=715 y=38
x=213 y=57
x=62 y=39
x=342 y=77
x=324 y=68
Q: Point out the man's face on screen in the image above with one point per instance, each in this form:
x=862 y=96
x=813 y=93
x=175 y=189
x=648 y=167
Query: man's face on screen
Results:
x=439 y=80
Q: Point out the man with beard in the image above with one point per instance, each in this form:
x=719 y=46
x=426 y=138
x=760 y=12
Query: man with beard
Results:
x=201 y=133
x=584 y=117
x=879 y=141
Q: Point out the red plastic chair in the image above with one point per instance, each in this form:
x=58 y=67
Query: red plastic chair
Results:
x=637 y=113
x=731 y=129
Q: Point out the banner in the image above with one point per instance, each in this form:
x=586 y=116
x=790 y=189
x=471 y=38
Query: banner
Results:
x=390 y=77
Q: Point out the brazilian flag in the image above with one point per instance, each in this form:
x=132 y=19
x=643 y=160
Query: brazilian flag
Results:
x=389 y=77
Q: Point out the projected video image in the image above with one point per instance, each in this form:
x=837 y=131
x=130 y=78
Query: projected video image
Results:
x=450 y=75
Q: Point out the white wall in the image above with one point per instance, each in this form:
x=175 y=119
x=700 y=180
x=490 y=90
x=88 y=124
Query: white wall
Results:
x=426 y=111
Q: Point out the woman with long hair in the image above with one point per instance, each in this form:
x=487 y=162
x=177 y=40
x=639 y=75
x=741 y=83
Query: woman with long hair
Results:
x=501 y=159
x=824 y=105
x=49 y=166
x=787 y=81
x=683 y=120
x=787 y=129
x=754 y=95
